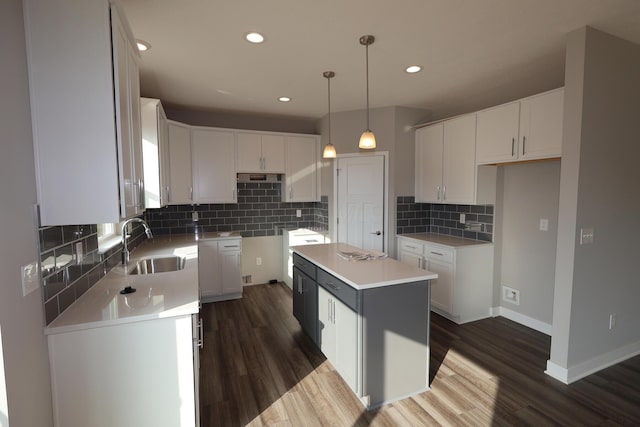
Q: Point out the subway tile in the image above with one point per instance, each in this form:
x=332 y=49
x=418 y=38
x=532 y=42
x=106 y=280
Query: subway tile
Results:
x=488 y=219
x=51 y=310
x=66 y=298
x=50 y=238
x=489 y=209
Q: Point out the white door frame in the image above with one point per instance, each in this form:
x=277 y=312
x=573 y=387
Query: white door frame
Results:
x=385 y=195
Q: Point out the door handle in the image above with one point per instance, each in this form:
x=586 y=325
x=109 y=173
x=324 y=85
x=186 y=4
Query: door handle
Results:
x=513 y=146
x=524 y=142
x=377 y=232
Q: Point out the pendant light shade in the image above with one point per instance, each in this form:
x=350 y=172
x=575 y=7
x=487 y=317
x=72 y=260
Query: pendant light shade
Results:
x=367 y=139
x=329 y=151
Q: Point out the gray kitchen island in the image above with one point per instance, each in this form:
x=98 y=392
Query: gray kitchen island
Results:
x=370 y=318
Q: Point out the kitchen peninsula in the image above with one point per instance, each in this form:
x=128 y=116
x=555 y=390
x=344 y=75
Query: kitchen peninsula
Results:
x=370 y=318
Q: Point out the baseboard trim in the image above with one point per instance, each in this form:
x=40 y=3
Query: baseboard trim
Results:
x=588 y=367
x=527 y=321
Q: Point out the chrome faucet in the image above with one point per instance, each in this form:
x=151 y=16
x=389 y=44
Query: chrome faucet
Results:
x=125 y=249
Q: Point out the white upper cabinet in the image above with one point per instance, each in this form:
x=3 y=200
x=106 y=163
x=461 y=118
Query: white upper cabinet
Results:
x=497 y=136
x=527 y=129
x=260 y=153
x=82 y=110
x=459 y=160
x=541 y=119
x=302 y=177
x=155 y=152
x=429 y=149
x=180 y=180
x=214 y=173
x=445 y=164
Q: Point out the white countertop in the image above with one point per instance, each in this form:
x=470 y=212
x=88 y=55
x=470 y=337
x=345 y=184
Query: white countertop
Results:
x=158 y=295
x=361 y=275
x=449 y=241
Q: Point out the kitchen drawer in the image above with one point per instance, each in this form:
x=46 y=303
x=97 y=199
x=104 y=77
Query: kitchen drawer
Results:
x=439 y=253
x=338 y=288
x=230 y=245
x=410 y=246
x=305 y=266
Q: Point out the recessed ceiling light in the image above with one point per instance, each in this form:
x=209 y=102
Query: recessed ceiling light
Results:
x=142 y=45
x=254 y=37
x=413 y=69
x=284 y=99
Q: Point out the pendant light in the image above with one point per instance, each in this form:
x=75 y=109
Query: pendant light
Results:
x=329 y=150
x=367 y=139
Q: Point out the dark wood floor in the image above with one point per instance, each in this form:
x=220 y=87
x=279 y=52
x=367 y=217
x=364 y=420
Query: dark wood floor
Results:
x=258 y=368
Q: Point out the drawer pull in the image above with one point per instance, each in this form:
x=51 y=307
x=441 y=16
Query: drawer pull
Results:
x=332 y=286
x=231 y=246
x=437 y=253
x=411 y=247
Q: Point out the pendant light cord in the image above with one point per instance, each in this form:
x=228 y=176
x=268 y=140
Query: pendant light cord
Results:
x=367 y=72
x=329 y=98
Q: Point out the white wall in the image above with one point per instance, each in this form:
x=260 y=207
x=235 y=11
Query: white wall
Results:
x=24 y=345
x=270 y=250
x=598 y=188
x=528 y=192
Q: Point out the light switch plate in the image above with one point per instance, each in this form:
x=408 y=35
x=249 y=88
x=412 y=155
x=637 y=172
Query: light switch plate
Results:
x=586 y=236
x=544 y=224
x=30 y=278
x=463 y=218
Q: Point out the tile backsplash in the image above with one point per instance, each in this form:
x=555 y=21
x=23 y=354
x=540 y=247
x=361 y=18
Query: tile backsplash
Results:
x=70 y=263
x=259 y=212
x=444 y=219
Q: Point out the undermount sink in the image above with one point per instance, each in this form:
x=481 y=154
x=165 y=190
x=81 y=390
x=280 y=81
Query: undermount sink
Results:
x=158 y=265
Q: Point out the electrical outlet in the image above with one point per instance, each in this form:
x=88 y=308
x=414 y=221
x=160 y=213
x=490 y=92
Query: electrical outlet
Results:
x=30 y=278
x=544 y=224
x=586 y=236
x=258 y=261
x=194 y=216
x=612 y=320
x=462 y=218
x=511 y=295
x=299 y=213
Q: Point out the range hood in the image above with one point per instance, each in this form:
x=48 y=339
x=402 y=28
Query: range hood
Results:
x=259 y=177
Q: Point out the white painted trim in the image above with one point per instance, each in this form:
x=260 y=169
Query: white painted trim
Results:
x=527 y=321
x=557 y=372
x=588 y=367
x=4 y=407
x=385 y=196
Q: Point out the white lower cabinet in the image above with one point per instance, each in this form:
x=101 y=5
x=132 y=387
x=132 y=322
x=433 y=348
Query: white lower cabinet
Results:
x=128 y=375
x=464 y=287
x=220 y=268
x=338 y=335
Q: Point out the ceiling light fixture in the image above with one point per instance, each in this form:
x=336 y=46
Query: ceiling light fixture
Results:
x=254 y=37
x=329 y=151
x=284 y=99
x=142 y=45
x=367 y=139
x=413 y=69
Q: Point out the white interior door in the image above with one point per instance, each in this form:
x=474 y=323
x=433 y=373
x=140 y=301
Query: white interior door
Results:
x=361 y=194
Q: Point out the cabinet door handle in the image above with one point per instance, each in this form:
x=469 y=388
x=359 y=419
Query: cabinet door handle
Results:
x=444 y=192
x=233 y=194
x=333 y=312
x=377 y=232
x=513 y=146
x=290 y=192
x=524 y=141
x=141 y=191
x=191 y=193
x=329 y=310
x=438 y=190
x=168 y=194
x=299 y=284
x=200 y=334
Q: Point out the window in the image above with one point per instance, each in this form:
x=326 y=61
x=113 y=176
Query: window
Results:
x=106 y=231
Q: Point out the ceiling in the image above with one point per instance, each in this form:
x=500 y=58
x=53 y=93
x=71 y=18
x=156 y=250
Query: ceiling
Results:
x=474 y=53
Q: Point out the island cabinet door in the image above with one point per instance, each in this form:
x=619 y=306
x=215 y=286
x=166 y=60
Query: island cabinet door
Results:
x=298 y=295
x=310 y=317
x=337 y=330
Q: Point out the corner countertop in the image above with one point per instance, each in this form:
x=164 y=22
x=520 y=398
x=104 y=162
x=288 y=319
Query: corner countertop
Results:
x=361 y=275
x=159 y=295
x=449 y=241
